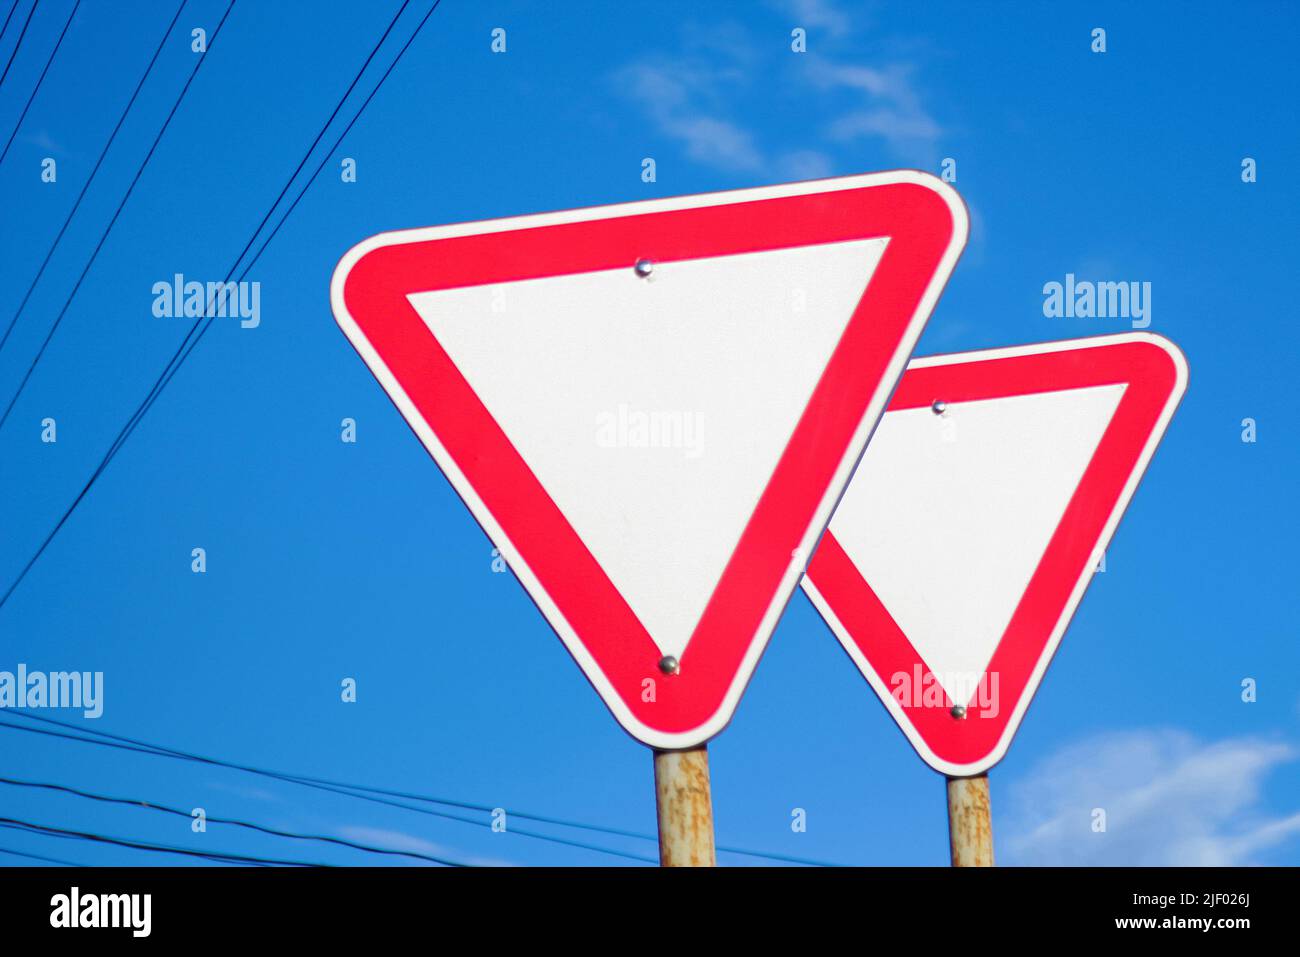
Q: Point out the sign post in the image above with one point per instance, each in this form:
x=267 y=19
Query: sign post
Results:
x=970 y=826
x=651 y=410
x=684 y=805
x=971 y=529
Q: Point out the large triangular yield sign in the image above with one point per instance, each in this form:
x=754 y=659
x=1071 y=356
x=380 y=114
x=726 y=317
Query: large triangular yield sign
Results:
x=975 y=521
x=652 y=408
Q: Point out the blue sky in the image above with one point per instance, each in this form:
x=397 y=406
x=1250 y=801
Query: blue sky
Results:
x=328 y=560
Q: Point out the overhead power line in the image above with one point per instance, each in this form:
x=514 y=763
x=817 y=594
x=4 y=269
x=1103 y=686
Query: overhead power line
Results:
x=182 y=353
x=113 y=220
x=52 y=831
x=38 y=857
x=36 y=89
x=26 y=23
x=315 y=784
x=212 y=819
x=94 y=171
x=5 y=29
x=378 y=795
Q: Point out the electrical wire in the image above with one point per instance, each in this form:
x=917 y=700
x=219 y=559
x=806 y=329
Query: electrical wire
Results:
x=99 y=162
x=143 y=748
x=210 y=819
x=18 y=44
x=113 y=220
x=5 y=29
x=364 y=792
x=36 y=89
x=38 y=857
x=52 y=831
x=181 y=352
x=369 y=793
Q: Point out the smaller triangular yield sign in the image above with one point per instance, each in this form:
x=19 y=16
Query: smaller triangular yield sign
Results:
x=975 y=521
x=652 y=408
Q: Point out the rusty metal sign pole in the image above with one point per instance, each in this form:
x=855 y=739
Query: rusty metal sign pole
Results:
x=970 y=826
x=685 y=807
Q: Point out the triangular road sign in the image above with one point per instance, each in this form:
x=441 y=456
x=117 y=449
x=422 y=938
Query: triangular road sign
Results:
x=975 y=521
x=652 y=408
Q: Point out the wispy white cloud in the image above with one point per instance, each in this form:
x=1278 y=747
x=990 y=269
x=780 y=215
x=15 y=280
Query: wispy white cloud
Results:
x=817 y=15
x=1168 y=798
x=806 y=164
x=900 y=129
x=890 y=106
x=675 y=96
x=42 y=139
x=402 y=841
x=247 y=791
x=701 y=95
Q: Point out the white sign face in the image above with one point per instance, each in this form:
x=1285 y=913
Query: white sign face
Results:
x=652 y=408
x=642 y=427
x=972 y=527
